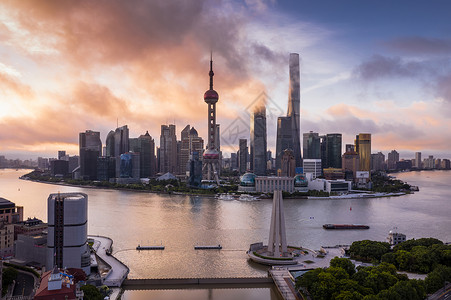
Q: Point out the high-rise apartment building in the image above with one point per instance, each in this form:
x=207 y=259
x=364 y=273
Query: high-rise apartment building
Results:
x=168 y=149
x=377 y=161
x=311 y=146
x=363 y=148
x=242 y=156
x=67 y=245
x=258 y=141
x=393 y=158
x=90 y=149
x=289 y=127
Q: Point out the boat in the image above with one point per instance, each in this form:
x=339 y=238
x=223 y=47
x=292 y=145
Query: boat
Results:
x=219 y=247
x=247 y=197
x=226 y=197
x=345 y=226
x=149 y=247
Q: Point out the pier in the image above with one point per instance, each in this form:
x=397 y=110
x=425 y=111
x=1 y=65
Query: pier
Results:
x=186 y=283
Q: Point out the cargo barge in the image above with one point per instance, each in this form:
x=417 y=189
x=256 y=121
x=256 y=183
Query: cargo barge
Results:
x=345 y=226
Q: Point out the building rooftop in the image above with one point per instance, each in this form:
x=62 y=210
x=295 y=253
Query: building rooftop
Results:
x=4 y=203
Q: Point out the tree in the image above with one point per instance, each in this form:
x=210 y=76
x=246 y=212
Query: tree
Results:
x=436 y=279
x=8 y=276
x=347 y=295
x=343 y=263
x=91 y=292
x=368 y=250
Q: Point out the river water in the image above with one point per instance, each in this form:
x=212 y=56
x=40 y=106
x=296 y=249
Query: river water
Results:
x=180 y=222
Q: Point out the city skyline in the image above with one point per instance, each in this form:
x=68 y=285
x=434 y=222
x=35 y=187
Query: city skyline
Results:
x=130 y=65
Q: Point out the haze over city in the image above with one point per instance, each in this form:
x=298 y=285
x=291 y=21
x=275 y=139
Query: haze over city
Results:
x=65 y=67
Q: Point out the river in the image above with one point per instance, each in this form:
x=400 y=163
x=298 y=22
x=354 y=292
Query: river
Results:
x=180 y=222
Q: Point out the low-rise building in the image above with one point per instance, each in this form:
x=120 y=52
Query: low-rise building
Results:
x=268 y=184
x=56 y=284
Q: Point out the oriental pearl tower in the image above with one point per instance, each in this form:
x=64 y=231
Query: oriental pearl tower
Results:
x=211 y=155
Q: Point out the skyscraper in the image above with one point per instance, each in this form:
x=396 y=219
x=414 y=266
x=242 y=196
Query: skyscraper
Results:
x=330 y=150
x=418 y=162
x=121 y=140
x=258 y=141
x=363 y=147
x=168 y=149
x=190 y=142
x=284 y=139
x=294 y=102
x=289 y=127
x=311 y=146
x=90 y=149
x=242 y=156
x=333 y=150
x=145 y=146
x=211 y=156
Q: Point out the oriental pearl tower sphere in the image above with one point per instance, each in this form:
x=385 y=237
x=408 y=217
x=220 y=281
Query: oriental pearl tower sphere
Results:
x=211 y=155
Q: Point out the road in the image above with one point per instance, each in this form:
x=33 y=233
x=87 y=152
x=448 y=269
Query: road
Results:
x=24 y=284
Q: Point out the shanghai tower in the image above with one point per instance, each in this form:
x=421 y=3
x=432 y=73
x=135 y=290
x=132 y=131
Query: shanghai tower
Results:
x=294 y=103
x=289 y=127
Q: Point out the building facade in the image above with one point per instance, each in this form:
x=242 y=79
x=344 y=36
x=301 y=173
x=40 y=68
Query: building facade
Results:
x=313 y=166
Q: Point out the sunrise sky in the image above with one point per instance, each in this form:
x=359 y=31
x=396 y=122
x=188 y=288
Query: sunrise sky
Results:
x=382 y=67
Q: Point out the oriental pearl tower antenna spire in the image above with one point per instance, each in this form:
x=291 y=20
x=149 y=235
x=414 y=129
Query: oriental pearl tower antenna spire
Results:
x=211 y=154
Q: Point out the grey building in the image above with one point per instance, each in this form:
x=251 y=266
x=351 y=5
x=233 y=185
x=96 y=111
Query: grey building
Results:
x=258 y=147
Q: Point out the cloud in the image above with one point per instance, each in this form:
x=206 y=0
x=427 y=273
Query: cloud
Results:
x=395 y=127
x=379 y=66
x=417 y=45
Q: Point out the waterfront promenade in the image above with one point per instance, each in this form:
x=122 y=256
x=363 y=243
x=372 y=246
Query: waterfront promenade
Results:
x=118 y=272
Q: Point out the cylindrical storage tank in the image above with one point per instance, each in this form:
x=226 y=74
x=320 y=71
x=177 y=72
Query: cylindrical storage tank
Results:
x=67 y=215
